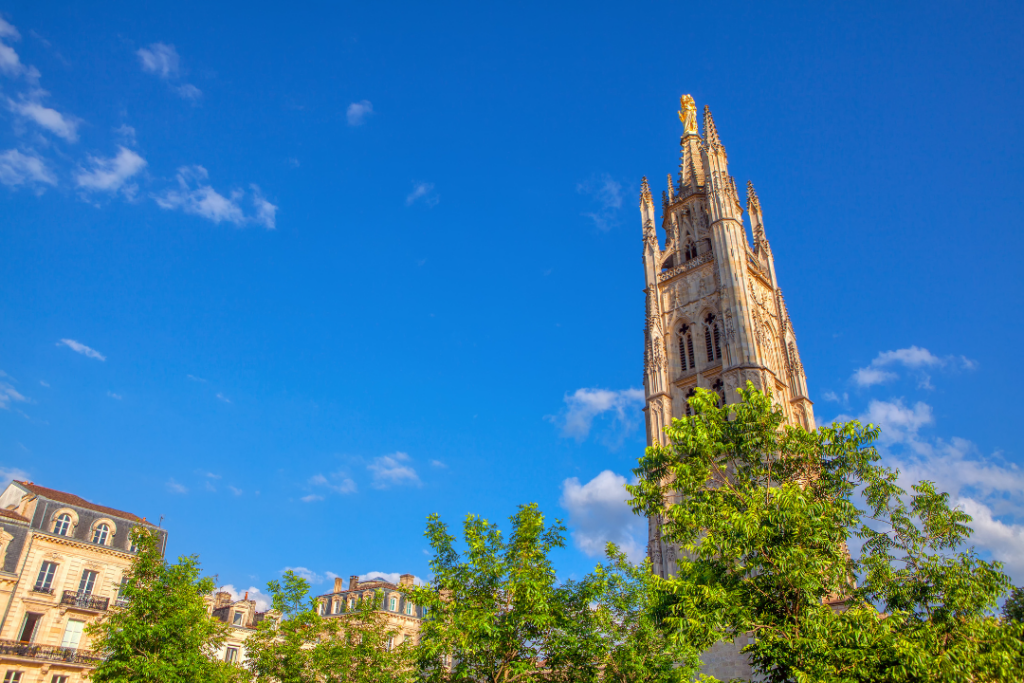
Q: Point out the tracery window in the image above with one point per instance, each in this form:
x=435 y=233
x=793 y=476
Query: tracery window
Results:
x=712 y=338
x=690 y=394
x=691 y=251
x=62 y=525
x=719 y=388
x=686 y=349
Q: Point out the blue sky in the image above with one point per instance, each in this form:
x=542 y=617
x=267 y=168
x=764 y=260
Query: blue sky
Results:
x=292 y=278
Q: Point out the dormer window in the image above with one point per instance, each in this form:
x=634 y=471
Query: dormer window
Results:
x=100 y=534
x=393 y=605
x=62 y=525
x=237 y=619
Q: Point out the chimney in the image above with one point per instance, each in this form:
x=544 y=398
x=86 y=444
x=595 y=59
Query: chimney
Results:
x=339 y=584
x=353 y=582
x=246 y=598
x=406 y=580
x=221 y=599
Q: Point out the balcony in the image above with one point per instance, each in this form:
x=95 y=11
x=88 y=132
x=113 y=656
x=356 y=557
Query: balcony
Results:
x=84 y=601
x=42 y=589
x=53 y=653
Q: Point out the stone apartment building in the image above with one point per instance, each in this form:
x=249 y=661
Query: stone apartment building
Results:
x=402 y=614
x=241 y=618
x=715 y=313
x=62 y=559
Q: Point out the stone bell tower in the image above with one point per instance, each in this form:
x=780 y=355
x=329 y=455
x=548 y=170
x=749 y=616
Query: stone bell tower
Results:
x=715 y=313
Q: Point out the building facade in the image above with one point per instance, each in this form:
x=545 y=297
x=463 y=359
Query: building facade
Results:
x=716 y=317
x=241 y=618
x=62 y=560
x=403 y=616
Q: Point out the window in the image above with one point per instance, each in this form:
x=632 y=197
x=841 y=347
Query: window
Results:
x=408 y=607
x=72 y=634
x=57 y=678
x=686 y=349
x=236 y=620
x=13 y=677
x=391 y=643
x=719 y=388
x=393 y=605
x=691 y=251
x=44 y=582
x=690 y=394
x=231 y=656
x=62 y=525
x=100 y=533
x=28 y=629
x=712 y=338
x=87 y=583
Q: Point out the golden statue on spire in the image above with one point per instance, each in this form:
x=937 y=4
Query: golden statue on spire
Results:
x=688 y=114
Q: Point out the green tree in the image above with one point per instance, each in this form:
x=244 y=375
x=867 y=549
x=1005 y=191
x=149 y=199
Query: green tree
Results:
x=767 y=512
x=302 y=646
x=612 y=628
x=164 y=634
x=1013 y=608
x=490 y=613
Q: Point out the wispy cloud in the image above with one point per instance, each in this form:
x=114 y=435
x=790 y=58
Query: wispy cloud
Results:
x=422 y=192
x=336 y=482
x=306 y=573
x=195 y=196
x=358 y=112
x=111 y=174
x=117 y=397
x=81 y=348
x=599 y=514
x=10 y=62
x=9 y=474
x=584 y=405
x=17 y=169
x=606 y=192
x=8 y=394
x=222 y=397
x=175 y=487
x=438 y=463
x=235 y=490
x=390 y=577
x=311 y=498
x=62 y=126
x=262 y=601
x=913 y=358
x=393 y=470
x=163 y=60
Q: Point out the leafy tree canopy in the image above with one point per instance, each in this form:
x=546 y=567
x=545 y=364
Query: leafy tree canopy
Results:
x=763 y=525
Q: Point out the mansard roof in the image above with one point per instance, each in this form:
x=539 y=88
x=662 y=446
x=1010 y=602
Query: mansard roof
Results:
x=72 y=499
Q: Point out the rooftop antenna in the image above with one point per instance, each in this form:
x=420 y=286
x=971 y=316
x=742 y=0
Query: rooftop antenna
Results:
x=161 y=522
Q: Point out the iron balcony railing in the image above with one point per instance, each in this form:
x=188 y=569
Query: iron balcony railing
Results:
x=52 y=653
x=42 y=589
x=84 y=601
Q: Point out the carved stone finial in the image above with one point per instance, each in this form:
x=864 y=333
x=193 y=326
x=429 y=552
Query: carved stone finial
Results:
x=688 y=115
x=645 y=191
x=710 y=131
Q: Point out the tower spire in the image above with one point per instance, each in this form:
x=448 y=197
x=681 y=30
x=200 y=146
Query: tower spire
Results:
x=647 y=212
x=671 y=189
x=711 y=138
x=754 y=211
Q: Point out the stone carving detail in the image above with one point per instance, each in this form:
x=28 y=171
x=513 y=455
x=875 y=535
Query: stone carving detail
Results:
x=730 y=326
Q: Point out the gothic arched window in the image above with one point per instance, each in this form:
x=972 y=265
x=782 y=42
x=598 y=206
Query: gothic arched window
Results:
x=712 y=338
x=690 y=394
x=686 y=349
x=691 y=251
x=719 y=388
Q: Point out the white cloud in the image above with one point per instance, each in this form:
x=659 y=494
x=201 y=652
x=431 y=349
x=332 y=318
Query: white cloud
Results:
x=78 y=347
x=126 y=133
x=175 y=487
x=913 y=357
x=1004 y=541
x=52 y=120
x=898 y=422
x=338 y=482
x=110 y=175
x=599 y=514
x=195 y=379
x=195 y=196
x=393 y=470
x=18 y=169
x=8 y=31
x=607 y=192
x=44 y=383
x=160 y=59
x=311 y=498
x=438 y=463
x=390 y=577
x=305 y=573
x=9 y=474
x=10 y=63
x=424 y=191
x=262 y=601
x=189 y=92
x=117 y=397
x=358 y=112
x=235 y=490
x=584 y=405
x=869 y=376
x=8 y=394
x=222 y=397
x=266 y=213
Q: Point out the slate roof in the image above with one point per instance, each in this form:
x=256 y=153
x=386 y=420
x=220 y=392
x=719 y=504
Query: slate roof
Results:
x=72 y=499
x=12 y=515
